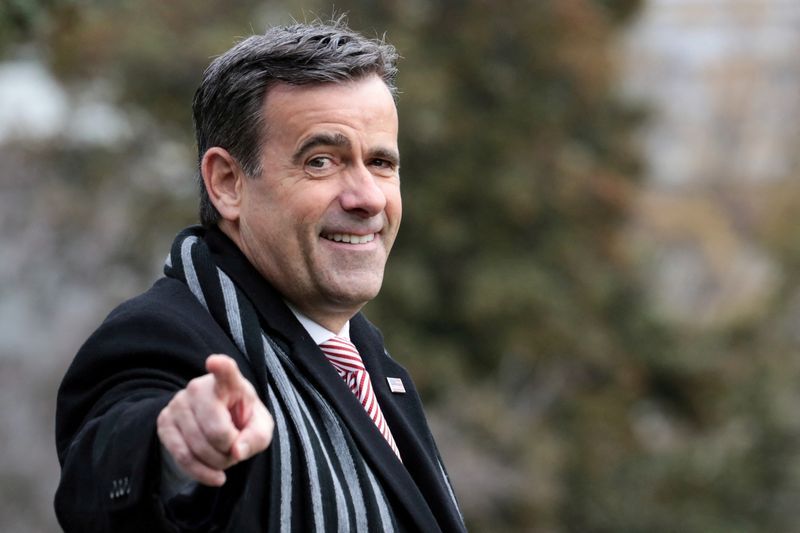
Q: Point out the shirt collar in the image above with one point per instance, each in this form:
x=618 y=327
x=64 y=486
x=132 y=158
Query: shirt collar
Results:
x=317 y=332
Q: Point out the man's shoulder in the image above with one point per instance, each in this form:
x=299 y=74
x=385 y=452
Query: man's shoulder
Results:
x=165 y=327
x=167 y=310
x=167 y=298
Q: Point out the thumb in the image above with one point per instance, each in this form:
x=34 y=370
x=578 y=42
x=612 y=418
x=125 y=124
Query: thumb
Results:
x=255 y=436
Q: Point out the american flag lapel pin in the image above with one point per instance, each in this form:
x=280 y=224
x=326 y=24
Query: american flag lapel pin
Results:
x=396 y=385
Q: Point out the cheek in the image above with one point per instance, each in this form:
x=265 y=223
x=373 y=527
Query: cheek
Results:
x=315 y=205
x=394 y=202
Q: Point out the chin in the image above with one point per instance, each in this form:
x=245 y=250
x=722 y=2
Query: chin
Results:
x=352 y=295
x=353 y=298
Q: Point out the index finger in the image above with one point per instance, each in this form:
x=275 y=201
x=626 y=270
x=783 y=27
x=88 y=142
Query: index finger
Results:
x=228 y=381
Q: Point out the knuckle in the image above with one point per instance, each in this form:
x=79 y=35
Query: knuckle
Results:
x=262 y=433
x=177 y=404
x=164 y=432
x=167 y=416
x=194 y=387
x=218 y=433
x=244 y=383
x=260 y=442
x=214 y=428
x=268 y=433
x=268 y=422
x=183 y=457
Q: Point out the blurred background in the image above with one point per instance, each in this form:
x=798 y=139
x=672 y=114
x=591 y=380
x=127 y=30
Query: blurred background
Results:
x=597 y=284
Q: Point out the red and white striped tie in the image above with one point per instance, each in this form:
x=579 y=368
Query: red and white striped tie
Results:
x=345 y=358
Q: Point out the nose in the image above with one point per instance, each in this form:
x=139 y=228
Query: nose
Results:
x=362 y=193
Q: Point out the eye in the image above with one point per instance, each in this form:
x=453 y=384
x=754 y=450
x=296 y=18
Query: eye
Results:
x=383 y=165
x=319 y=162
x=321 y=165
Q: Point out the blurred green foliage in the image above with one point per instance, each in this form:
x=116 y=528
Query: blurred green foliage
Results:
x=513 y=295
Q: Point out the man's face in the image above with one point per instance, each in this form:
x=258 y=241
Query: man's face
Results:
x=320 y=220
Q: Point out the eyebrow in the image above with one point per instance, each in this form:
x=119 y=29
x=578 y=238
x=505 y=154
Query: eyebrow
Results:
x=339 y=140
x=320 y=139
x=390 y=155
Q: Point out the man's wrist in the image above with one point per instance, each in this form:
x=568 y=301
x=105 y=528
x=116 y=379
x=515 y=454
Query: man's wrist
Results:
x=174 y=481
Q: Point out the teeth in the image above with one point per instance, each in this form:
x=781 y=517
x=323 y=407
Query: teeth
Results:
x=352 y=239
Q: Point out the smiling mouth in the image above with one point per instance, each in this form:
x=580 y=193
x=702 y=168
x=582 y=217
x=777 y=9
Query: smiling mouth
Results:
x=349 y=238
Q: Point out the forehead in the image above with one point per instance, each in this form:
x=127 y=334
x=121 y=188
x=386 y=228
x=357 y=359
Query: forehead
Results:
x=364 y=105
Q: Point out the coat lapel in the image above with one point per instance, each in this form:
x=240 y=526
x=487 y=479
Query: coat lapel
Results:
x=394 y=477
x=406 y=418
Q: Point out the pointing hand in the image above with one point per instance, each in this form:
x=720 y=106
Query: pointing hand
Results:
x=217 y=421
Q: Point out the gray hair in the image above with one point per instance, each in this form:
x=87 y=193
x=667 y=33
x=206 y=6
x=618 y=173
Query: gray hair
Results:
x=228 y=103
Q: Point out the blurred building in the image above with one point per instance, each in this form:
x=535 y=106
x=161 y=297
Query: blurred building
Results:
x=722 y=79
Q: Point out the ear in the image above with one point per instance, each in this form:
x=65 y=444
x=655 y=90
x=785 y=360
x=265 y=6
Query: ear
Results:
x=223 y=178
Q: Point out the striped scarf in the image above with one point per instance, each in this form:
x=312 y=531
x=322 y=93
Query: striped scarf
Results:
x=318 y=465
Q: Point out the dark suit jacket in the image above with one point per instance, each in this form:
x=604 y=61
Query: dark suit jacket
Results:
x=150 y=347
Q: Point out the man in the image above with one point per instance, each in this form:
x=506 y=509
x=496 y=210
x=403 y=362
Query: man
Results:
x=245 y=391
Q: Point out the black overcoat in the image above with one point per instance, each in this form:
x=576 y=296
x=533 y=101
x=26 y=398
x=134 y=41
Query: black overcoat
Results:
x=153 y=345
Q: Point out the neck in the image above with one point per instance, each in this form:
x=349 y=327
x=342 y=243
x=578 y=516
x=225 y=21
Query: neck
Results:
x=331 y=321
x=330 y=317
